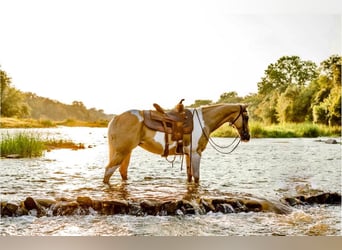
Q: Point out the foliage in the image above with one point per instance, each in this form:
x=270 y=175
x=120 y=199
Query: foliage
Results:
x=326 y=105
x=285 y=130
x=282 y=88
x=47 y=109
x=230 y=97
x=31 y=144
x=293 y=90
x=12 y=100
x=199 y=103
x=288 y=70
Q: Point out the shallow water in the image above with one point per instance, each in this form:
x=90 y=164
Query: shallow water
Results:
x=266 y=168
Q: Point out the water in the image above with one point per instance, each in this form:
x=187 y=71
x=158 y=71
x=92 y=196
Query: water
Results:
x=266 y=168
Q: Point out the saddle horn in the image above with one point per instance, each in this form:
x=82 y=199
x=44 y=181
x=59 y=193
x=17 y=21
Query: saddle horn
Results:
x=180 y=107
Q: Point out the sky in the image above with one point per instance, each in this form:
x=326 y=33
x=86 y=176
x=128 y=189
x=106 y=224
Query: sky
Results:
x=120 y=55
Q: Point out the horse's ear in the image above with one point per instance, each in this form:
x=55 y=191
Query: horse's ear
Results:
x=245 y=105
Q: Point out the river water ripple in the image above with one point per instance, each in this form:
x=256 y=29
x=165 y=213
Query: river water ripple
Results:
x=266 y=168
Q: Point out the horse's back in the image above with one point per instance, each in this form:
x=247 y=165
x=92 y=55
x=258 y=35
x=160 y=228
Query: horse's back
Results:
x=126 y=124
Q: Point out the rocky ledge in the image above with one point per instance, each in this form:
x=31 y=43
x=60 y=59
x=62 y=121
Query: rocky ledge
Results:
x=85 y=205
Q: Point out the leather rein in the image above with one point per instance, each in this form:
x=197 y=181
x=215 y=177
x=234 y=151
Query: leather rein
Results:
x=217 y=147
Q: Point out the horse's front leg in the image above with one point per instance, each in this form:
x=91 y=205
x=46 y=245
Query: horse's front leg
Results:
x=193 y=166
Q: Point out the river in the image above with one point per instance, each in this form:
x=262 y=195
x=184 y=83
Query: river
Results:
x=266 y=168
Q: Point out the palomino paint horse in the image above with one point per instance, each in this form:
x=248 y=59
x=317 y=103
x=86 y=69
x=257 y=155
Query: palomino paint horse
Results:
x=127 y=131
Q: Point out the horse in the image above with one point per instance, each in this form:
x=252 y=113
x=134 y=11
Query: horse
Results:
x=127 y=131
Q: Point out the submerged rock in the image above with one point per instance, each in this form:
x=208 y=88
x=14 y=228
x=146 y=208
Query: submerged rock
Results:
x=323 y=198
x=32 y=204
x=85 y=205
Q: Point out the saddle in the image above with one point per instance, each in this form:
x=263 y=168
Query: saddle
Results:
x=175 y=122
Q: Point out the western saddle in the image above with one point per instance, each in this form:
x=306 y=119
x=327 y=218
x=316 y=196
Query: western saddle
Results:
x=175 y=122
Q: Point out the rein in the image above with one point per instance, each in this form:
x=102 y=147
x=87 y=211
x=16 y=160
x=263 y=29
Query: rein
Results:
x=217 y=147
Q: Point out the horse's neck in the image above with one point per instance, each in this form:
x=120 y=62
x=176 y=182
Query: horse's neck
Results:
x=215 y=116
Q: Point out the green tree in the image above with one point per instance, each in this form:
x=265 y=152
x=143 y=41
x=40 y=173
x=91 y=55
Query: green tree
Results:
x=288 y=70
x=230 y=97
x=199 y=103
x=326 y=105
x=286 y=79
x=12 y=100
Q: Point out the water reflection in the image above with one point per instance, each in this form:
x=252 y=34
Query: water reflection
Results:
x=263 y=168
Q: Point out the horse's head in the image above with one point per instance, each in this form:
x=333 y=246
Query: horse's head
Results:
x=241 y=123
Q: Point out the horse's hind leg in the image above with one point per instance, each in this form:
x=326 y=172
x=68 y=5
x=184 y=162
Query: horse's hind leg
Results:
x=114 y=162
x=124 y=167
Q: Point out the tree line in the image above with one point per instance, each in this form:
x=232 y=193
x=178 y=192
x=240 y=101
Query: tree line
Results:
x=291 y=90
x=15 y=103
x=294 y=90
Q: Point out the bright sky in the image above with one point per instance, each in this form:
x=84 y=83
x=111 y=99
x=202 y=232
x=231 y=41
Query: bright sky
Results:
x=118 y=55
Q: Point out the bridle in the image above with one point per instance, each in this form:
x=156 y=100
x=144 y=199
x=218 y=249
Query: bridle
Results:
x=217 y=147
x=244 y=120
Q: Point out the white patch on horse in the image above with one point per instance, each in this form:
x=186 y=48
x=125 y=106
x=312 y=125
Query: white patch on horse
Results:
x=197 y=130
x=137 y=114
x=160 y=138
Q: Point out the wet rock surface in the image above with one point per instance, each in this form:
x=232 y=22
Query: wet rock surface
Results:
x=85 y=205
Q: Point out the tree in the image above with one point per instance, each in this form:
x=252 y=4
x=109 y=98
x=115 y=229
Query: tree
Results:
x=12 y=100
x=326 y=106
x=230 y=97
x=199 y=103
x=280 y=88
x=288 y=70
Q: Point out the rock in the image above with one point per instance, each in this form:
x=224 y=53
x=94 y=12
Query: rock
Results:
x=325 y=198
x=114 y=207
x=292 y=201
x=8 y=209
x=187 y=207
x=97 y=205
x=224 y=208
x=149 y=207
x=31 y=204
x=47 y=203
x=331 y=141
x=84 y=201
x=170 y=207
x=207 y=205
x=65 y=208
x=253 y=206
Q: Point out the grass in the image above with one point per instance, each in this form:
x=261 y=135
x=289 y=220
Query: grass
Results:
x=9 y=122
x=30 y=144
x=288 y=130
x=21 y=145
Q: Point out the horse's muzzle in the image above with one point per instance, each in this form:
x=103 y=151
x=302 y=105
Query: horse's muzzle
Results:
x=245 y=137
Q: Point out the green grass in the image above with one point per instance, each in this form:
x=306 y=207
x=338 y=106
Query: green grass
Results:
x=30 y=144
x=22 y=144
x=289 y=130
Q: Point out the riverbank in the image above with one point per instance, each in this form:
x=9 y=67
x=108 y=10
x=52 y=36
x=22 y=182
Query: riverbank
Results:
x=9 y=122
x=288 y=130
x=257 y=130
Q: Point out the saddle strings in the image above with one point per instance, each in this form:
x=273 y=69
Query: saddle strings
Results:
x=217 y=147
